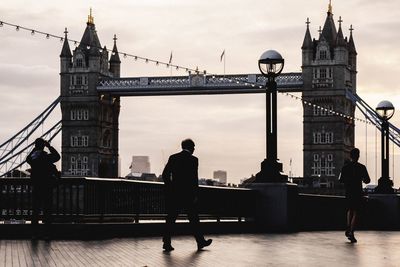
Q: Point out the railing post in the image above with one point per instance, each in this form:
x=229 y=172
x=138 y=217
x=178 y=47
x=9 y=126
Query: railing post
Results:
x=102 y=203
x=137 y=202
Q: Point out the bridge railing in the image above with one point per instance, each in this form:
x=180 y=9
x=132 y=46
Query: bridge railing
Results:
x=94 y=199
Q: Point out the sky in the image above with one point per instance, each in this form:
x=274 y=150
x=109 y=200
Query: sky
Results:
x=229 y=130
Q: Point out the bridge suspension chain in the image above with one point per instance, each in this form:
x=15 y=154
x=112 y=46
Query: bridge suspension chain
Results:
x=12 y=150
x=372 y=116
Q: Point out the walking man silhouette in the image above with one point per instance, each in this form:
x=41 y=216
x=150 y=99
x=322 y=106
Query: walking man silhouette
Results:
x=180 y=176
x=353 y=175
x=42 y=170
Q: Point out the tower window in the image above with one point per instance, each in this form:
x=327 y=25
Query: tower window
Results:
x=315 y=110
x=79 y=141
x=107 y=139
x=322 y=137
x=85 y=141
x=79 y=63
x=329 y=138
x=322 y=73
x=78 y=80
x=79 y=166
x=323 y=54
x=80 y=114
x=74 y=141
x=322 y=165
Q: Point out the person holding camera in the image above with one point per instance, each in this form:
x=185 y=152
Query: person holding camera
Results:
x=43 y=173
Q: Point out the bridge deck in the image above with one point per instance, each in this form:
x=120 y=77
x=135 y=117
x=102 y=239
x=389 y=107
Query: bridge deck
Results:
x=299 y=249
x=198 y=84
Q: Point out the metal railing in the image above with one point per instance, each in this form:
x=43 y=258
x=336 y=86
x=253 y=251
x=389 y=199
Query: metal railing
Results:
x=96 y=200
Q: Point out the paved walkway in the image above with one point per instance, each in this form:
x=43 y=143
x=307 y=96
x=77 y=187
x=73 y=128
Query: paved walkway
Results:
x=299 y=249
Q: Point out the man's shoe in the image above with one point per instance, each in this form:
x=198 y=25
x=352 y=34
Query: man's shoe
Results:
x=347 y=233
x=168 y=247
x=204 y=243
x=352 y=238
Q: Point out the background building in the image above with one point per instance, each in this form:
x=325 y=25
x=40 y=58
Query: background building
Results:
x=221 y=176
x=140 y=164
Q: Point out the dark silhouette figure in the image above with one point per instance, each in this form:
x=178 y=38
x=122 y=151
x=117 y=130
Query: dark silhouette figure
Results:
x=353 y=175
x=180 y=176
x=43 y=172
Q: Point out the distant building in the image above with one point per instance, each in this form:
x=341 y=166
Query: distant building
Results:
x=149 y=177
x=210 y=182
x=221 y=176
x=140 y=164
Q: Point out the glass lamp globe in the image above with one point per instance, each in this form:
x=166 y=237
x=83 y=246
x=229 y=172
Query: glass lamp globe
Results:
x=385 y=110
x=271 y=63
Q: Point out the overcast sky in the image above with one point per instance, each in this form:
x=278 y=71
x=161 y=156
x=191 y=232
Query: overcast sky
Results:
x=228 y=129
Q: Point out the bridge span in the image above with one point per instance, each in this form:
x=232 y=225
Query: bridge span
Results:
x=198 y=84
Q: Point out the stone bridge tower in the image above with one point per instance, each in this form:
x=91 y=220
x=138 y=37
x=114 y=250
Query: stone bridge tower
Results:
x=89 y=119
x=329 y=67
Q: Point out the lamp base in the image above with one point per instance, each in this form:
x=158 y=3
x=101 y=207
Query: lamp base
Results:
x=271 y=172
x=384 y=186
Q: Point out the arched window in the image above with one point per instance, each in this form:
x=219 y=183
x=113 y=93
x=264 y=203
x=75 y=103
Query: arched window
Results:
x=106 y=139
x=79 y=61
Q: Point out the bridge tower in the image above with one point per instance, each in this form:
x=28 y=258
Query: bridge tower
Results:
x=89 y=119
x=329 y=67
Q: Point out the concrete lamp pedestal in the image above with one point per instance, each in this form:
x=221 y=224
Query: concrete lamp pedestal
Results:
x=276 y=207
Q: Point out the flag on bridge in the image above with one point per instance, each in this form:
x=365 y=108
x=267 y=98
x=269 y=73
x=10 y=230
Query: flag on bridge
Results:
x=222 y=55
x=170 y=58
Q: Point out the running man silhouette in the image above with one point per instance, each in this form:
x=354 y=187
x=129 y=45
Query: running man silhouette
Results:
x=180 y=176
x=353 y=174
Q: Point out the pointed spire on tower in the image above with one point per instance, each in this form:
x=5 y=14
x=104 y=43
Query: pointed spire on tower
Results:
x=329 y=29
x=307 y=43
x=90 y=18
x=330 y=7
x=340 y=39
x=90 y=42
x=115 y=55
x=66 y=51
x=352 y=47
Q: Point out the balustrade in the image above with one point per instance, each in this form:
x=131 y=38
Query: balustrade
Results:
x=95 y=199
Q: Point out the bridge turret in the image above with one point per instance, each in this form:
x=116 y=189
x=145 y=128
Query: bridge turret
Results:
x=115 y=62
x=329 y=30
x=65 y=56
x=308 y=46
x=352 y=59
x=341 y=53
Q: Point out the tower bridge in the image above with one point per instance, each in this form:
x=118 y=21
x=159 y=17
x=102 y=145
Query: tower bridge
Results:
x=91 y=88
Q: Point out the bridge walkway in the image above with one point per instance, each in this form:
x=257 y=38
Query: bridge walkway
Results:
x=295 y=249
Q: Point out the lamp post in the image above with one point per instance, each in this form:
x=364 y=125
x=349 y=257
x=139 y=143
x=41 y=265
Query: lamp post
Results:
x=271 y=65
x=385 y=110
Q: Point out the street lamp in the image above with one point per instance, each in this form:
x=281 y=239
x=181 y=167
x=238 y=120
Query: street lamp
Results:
x=385 y=111
x=271 y=65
